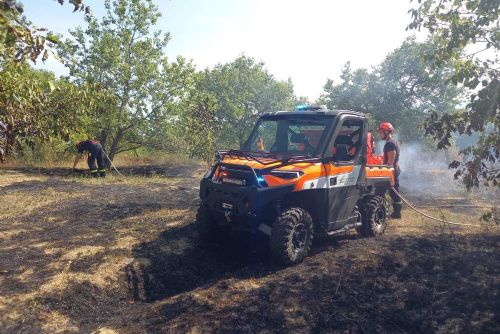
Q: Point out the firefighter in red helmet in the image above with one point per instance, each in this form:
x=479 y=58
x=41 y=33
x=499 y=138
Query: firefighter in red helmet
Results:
x=391 y=158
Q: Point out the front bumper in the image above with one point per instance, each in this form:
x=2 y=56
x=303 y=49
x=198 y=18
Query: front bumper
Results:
x=239 y=201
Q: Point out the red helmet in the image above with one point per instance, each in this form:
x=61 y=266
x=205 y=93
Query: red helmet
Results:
x=386 y=126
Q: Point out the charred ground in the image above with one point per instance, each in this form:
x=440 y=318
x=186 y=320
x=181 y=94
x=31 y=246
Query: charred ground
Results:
x=85 y=255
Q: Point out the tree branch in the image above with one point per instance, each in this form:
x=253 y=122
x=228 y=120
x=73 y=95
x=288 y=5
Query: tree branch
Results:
x=127 y=149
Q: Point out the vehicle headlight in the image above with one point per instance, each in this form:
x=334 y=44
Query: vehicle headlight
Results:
x=288 y=175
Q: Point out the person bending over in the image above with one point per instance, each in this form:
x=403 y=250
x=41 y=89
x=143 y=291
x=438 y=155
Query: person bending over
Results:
x=95 y=158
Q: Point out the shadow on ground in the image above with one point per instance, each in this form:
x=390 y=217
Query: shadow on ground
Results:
x=172 y=264
x=45 y=234
x=121 y=255
x=160 y=170
x=433 y=284
x=57 y=236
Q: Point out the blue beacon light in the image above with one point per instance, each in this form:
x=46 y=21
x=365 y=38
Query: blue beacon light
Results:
x=302 y=107
x=261 y=181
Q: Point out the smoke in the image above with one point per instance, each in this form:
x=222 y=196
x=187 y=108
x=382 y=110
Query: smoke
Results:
x=415 y=158
x=425 y=174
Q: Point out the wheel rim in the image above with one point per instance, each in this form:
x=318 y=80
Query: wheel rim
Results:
x=379 y=216
x=299 y=237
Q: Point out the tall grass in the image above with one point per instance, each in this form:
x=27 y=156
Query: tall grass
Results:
x=62 y=155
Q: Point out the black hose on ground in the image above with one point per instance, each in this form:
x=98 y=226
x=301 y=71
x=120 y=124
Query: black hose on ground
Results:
x=437 y=219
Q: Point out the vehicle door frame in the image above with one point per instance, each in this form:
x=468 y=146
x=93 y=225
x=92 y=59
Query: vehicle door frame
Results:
x=336 y=193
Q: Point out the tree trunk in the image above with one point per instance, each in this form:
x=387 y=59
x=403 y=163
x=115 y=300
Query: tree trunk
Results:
x=103 y=138
x=10 y=140
x=121 y=131
x=3 y=142
x=114 y=145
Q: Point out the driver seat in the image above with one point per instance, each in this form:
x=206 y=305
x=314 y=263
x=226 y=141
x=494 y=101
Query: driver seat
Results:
x=342 y=153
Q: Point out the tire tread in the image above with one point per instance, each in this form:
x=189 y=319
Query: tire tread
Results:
x=280 y=244
x=369 y=208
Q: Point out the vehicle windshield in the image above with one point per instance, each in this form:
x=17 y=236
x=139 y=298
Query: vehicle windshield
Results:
x=295 y=135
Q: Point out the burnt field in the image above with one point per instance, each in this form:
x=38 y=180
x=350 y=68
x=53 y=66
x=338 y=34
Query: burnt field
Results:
x=117 y=256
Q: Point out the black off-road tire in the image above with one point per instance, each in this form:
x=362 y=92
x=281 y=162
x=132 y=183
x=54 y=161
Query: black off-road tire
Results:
x=291 y=236
x=207 y=231
x=374 y=216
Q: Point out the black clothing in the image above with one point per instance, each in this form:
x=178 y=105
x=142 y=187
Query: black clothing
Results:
x=396 y=200
x=392 y=145
x=91 y=146
x=96 y=154
x=91 y=161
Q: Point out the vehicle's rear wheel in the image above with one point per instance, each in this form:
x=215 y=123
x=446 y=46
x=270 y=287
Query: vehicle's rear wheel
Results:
x=374 y=216
x=291 y=236
x=207 y=229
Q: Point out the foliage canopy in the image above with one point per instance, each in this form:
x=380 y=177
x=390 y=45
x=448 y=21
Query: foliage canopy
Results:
x=399 y=90
x=244 y=89
x=467 y=33
x=125 y=55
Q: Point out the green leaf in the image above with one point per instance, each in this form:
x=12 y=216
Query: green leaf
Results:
x=53 y=39
x=52 y=86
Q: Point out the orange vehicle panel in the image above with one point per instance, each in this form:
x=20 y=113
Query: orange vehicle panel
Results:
x=373 y=172
x=311 y=171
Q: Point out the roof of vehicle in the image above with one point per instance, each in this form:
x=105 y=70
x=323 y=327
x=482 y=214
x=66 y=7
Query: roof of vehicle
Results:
x=329 y=112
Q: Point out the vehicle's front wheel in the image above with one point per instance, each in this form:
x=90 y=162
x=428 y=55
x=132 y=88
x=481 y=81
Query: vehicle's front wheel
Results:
x=207 y=229
x=374 y=216
x=291 y=236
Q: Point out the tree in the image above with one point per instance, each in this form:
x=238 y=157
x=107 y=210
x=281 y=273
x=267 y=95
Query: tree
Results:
x=354 y=92
x=123 y=54
x=244 y=89
x=35 y=106
x=399 y=90
x=19 y=39
x=24 y=95
x=201 y=126
x=468 y=37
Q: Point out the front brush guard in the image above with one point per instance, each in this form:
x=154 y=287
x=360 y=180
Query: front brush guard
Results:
x=239 y=200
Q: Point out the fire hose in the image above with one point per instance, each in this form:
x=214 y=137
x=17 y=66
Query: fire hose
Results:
x=112 y=164
x=437 y=219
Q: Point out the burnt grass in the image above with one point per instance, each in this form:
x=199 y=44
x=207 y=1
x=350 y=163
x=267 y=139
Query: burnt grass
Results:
x=417 y=285
x=118 y=256
x=164 y=170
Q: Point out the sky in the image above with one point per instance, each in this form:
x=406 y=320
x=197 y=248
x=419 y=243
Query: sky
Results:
x=307 y=41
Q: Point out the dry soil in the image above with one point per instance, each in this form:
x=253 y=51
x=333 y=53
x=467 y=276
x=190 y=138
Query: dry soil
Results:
x=117 y=256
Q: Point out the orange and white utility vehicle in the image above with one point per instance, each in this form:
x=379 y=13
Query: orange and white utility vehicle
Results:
x=300 y=173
